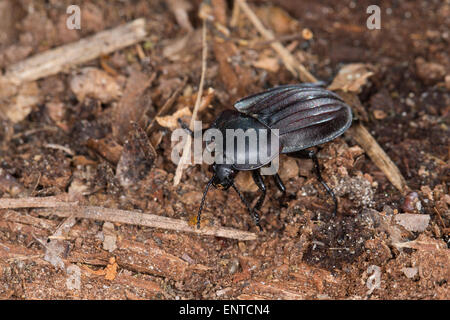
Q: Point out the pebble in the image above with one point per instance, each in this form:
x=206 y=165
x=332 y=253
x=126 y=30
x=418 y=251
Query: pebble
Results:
x=410 y=272
x=413 y=222
x=234 y=266
x=411 y=202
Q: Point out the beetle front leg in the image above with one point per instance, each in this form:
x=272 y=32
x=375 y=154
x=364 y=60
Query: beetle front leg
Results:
x=310 y=154
x=253 y=214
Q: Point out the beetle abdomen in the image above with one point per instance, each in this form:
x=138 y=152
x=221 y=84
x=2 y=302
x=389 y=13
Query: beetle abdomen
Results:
x=306 y=115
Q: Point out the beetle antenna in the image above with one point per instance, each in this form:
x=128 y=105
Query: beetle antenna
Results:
x=254 y=214
x=203 y=202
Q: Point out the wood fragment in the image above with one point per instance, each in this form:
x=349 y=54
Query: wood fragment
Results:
x=70 y=208
x=149 y=220
x=358 y=132
x=235 y=15
x=36 y=202
x=59 y=147
x=64 y=57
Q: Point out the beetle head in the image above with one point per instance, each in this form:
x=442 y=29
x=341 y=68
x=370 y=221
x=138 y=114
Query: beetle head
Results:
x=223 y=176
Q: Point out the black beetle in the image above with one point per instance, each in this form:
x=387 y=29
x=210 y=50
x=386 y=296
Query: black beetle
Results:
x=305 y=115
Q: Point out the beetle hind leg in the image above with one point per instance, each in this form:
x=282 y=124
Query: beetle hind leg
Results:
x=309 y=154
x=279 y=183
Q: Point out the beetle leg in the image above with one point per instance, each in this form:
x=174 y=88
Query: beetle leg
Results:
x=279 y=183
x=310 y=154
x=254 y=215
x=260 y=183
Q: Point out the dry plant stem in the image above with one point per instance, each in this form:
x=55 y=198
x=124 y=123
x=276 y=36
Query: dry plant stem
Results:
x=187 y=147
x=35 y=202
x=62 y=208
x=358 y=132
x=235 y=15
x=62 y=58
x=147 y=220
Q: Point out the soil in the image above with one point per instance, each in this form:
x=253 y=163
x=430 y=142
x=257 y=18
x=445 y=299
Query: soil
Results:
x=77 y=140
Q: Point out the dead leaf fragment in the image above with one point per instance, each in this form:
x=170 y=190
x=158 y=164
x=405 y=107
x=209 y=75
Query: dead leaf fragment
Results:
x=107 y=148
x=132 y=107
x=267 y=63
x=137 y=158
x=97 y=84
x=277 y=19
x=180 y=9
x=171 y=121
x=110 y=271
x=22 y=104
x=352 y=77
x=379 y=114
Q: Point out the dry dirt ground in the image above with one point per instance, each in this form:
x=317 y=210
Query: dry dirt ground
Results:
x=74 y=139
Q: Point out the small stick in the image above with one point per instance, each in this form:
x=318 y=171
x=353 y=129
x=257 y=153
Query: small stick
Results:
x=36 y=202
x=62 y=58
x=187 y=147
x=148 y=220
x=59 y=147
x=73 y=210
x=358 y=132
x=235 y=15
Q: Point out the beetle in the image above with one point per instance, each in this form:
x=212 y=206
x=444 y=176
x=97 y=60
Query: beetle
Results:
x=305 y=115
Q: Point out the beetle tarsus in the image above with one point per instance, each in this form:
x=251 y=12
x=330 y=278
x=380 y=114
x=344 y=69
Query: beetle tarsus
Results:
x=199 y=214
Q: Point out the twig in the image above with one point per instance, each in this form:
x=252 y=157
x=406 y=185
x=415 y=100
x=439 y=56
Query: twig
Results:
x=187 y=147
x=59 y=147
x=148 y=220
x=62 y=58
x=36 y=202
x=73 y=210
x=235 y=15
x=358 y=132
